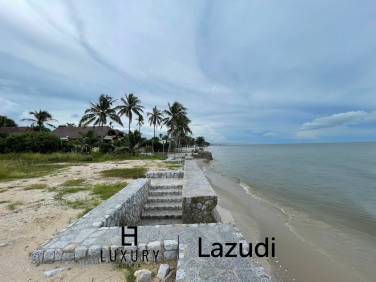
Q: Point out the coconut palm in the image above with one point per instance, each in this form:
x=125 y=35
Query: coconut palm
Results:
x=140 y=122
x=41 y=118
x=100 y=112
x=177 y=121
x=130 y=105
x=155 y=118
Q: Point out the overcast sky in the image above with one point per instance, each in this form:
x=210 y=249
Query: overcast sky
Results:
x=265 y=71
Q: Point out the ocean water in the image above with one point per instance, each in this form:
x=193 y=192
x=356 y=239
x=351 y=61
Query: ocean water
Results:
x=333 y=183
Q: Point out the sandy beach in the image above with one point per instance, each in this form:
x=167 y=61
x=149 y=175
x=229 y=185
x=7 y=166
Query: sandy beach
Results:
x=297 y=259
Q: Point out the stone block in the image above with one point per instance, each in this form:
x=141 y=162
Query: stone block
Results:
x=80 y=253
x=58 y=254
x=170 y=245
x=67 y=256
x=49 y=256
x=155 y=245
x=163 y=271
x=37 y=256
x=170 y=255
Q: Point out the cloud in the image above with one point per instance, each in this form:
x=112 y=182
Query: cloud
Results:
x=348 y=118
x=248 y=72
x=6 y=106
x=325 y=125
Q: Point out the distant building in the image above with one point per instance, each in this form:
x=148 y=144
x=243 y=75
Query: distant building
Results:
x=15 y=130
x=103 y=132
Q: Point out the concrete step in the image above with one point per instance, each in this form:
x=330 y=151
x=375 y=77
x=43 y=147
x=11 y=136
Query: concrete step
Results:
x=163 y=206
x=165 y=192
x=156 y=214
x=161 y=221
x=165 y=174
x=157 y=187
x=164 y=199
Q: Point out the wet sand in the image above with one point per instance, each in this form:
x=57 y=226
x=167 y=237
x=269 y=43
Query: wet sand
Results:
x=297 y=259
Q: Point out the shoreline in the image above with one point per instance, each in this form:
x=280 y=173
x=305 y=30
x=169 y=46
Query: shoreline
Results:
x=297 y=258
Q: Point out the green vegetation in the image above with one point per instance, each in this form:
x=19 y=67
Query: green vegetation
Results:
x=129 y=273
x=135 y=172
x=37 y=186
x=174 y=166
x=12 y=206
x=61 y=192
x=105 y=191
x=37 y=142
x=73 y=182
x=28 y=165
x=99 y=193
x=100 y=112
x=19 y=168
x=75 y=157
x=6 y=122
x=40 y=120
x=130 y=105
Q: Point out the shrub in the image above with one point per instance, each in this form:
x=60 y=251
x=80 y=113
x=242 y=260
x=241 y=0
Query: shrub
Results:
x=37 y=142
x=106 y=147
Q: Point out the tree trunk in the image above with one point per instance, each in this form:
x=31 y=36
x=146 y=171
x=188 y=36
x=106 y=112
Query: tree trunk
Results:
x=152 y=143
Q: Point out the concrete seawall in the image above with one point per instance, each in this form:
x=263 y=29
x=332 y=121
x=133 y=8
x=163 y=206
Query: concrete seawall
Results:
x=199 y=198
x=97 y=236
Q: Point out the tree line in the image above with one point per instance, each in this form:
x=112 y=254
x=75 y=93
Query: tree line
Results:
x=109 y=111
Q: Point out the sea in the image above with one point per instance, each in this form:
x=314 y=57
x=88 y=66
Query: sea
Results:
x=326 y=191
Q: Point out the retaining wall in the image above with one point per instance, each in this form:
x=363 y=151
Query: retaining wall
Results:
x=122 y=209
x=199 y=198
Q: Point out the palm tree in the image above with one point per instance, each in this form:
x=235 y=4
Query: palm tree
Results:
x=40 y=119
x=131 y=105
x=140 y=122
x=155 y=118
x=100 y=112
x=177 y=121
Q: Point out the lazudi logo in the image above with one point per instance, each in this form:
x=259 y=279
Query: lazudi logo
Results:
x=242 y=249
x=125 y=256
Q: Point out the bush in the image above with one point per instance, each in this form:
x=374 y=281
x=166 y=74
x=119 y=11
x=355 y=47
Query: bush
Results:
x=36 y=142
x=106 y=147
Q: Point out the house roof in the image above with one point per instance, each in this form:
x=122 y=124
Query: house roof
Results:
x=15 y=130
x=78 y=132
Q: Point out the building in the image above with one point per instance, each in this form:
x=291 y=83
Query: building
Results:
x=15 y=130
x=72 y=133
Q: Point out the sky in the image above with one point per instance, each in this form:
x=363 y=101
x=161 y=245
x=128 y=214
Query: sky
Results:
x=265 y=71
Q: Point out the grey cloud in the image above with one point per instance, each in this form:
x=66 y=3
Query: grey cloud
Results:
x=348 y=118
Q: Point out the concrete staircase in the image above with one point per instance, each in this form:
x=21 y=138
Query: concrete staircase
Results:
x=164 y=204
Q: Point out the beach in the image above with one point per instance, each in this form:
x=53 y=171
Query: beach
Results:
x=308 y=249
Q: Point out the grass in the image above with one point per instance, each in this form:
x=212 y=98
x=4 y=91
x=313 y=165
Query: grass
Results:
x=105 y=191
x=174 y=166
x=76 y=157
x=18 y=169
x=129 y=274
x=99 y=193
x=129 y=270
x=28 y=165
x=37 y=186
x=73 y=182
x=69 y=190
x=136 y=172
x=12 y=206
